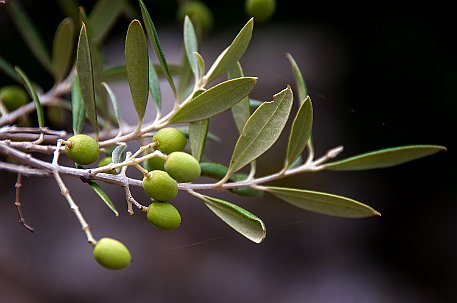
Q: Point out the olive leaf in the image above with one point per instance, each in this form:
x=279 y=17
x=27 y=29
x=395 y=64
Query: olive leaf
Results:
x=322 y=203
x=77 y=107
x=114 y=103
x=154 y=38
x=154 y=87
x=214 y=100
x=261 y=130
x=211 y=136
x=231 y=54
x=385 y=157
x=118 y=154
x=300 y=132
x=119 y=73
x=105 y=198
x=8 y=69
x=240 y=111
x=191 y=46
x=62 y=48
x=241 y=220
x=29 y=33
x=301 y=86
x=103 y=16
x=86 y=77
x=136 y=63
x=213 y=170
x=69 y=8
x=32 y=92
x=198 y=131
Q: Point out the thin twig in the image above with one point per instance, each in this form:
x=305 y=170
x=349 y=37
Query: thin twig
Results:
x=20 y=215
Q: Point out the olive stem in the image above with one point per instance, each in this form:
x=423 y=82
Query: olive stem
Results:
x=17 y=203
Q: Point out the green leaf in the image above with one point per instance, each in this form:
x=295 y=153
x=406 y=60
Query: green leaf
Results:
x=191 y=46
x=154 y=87
x=198 y=131
x=385 y=157
x=62 y=48
x=77 y=107
x=69 y=8
x=240 y=111
x=136 y=63
x=86 y=77
x=200 y=63
x=8 y=69
x=29 y=33
x=301 y=132
x=262 y=130
x=211 y=136
x=31 y=90
x=301 y=86
x=154 y=38
x=103 y=16
x=114 y=103
x=231 y=54
x=213 y=170
x=119 y=73
x=215 y=100
x=237 y=218
x=101 y=193
x=323 y=203
x=118 y=155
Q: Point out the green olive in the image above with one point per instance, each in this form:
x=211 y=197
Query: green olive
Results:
x=169 y=140
x=163 y=215
x=155 y=163
x=112 y=254
x=198 y=12
x=13 y=97
x=82 y=149
x=182 y=167
x=160 y=186
x=261 y=10
x=106 y=161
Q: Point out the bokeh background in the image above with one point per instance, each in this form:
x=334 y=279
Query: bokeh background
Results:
x=379 y=76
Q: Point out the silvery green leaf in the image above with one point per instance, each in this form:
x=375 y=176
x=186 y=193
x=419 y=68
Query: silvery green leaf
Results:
x=214 y=100
x=136 y=63
x=118 y=154
x=191 y=46
x=114 y=103
x=255 y=103
x=200 y=63
x=185 y=77
x=301 y=86
x=77 y=107
x=300 y=132
x=119 y=73
x=86 y=77
x=323 y=203
x=8 y=69
x=103 y=16
x=241 y=220
x=240 y=111
x=154 y=87
x=231 y=54
x=29 y=33
x=211 y=136
x=385 y=157
x=261 y=130
x=62 y=49
x=31 y=90
x=198 y=131
x=154 y=38
x=105 y=198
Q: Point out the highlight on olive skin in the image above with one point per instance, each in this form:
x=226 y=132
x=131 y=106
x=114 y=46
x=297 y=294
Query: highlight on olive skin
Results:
x=164 y=215
x=112 y=254
x=82 y=149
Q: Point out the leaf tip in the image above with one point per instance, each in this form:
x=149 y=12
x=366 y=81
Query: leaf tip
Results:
x=376 y=213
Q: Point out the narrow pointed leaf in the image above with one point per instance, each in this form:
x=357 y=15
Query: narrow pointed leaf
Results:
x=32 y=92
x=8 y=69
x=154 y=38
x=62 y=48
x=118 y=155
x=323 y=203
x=29 y=33
x=136 y=63
x=301 y=86
x=86 y=77
x=215 y=100
x=69 y=8
x=213 y=170
x=237 y=218
x=301 y=132
x=240 y=111
x=231 y=54
x=119 y=73
x=191 y=46
x=103 y=16
x=198 y=131
x=77 y=107
x=262 y=130
x=385 y=157
x=200 y=64
x=211 y=136
x=154 y=87
x=185 y=77
x=105 y=198
x=114 y=103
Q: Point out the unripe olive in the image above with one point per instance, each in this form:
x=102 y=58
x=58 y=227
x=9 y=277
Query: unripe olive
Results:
x=197 y=11
x=261 y=10
x=112 y=254
x=82 y=149
x=160 y=186
x=155 y=163
x=182 y=167
x=13 y=97
x=164 y=215
x=106 y=161
x=169 y=140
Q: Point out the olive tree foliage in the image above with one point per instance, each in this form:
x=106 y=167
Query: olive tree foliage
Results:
x=82 y=86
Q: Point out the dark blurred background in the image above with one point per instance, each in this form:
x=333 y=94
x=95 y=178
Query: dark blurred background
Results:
x=379 y=76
